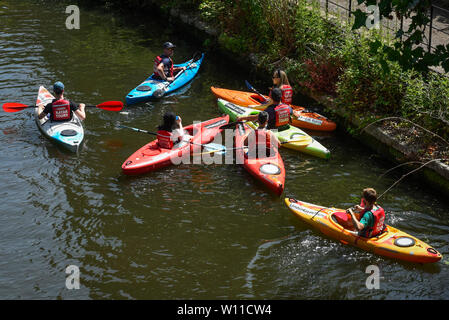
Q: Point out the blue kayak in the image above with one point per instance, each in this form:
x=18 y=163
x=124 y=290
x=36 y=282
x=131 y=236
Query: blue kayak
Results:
x=146 y=89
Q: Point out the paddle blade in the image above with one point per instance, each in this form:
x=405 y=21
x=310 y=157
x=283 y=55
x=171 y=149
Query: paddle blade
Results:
x=197 y=56
x=111 y=106
x=14 y=107
x=249 y=86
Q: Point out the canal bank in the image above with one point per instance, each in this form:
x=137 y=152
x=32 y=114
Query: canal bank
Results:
x=377 y=137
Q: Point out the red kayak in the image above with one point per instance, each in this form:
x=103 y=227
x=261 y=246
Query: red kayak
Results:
x=152 y=157
x=266 y=167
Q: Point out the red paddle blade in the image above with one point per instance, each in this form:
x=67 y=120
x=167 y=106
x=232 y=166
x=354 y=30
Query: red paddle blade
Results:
x=14 y=106
x=111 y=105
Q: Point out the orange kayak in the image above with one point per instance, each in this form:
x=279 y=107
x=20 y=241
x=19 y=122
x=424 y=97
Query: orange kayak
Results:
x=337 y=224
x=305 y=119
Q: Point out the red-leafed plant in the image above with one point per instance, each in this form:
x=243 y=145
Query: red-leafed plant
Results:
x=322 y=75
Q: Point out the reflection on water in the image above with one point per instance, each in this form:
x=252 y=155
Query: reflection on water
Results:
x=198 y=231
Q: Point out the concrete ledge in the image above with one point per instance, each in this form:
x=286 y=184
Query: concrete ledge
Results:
x=435 y=174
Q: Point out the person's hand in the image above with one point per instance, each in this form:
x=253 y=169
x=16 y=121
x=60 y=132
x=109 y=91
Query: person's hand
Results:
x=170 y=79
x=358 y=208
x=178 y=119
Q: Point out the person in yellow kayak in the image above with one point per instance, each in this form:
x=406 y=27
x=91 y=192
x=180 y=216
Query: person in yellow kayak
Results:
x=372 y=216
x=170 y=131
x=60 y=109
x=280 y=80
x=278 y=112
x=163 y=64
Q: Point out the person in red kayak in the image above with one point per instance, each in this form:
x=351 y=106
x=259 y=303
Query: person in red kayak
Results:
x=372 y=215
x=278 y=113
x=280 y=81
x=60 y=109
x=163 y=65
x=170 y=131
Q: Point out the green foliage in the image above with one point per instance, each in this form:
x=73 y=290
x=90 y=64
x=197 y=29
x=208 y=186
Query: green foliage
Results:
x=405 y=52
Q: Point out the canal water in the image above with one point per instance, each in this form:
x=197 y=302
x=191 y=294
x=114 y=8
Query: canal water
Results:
x=198 y=231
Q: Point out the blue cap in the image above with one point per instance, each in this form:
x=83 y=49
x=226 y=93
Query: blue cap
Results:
x=58 y=87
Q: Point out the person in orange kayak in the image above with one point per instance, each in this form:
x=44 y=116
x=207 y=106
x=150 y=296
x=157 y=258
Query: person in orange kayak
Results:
x=170 y=131
x=60 y=109
x=280 y=81
x=278 y=113
x=163 y=64
x=372 y=215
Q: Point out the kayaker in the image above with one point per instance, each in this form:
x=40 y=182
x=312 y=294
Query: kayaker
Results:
x=263 y=138
x=280 y=81
x=60 y=109
x=170 y=131
x=278 y=113
x=372 y=215
x=163 y=65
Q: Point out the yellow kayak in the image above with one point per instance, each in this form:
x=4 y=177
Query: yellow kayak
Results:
x=336 y=224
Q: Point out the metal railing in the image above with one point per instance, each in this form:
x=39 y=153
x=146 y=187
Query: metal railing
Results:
x=438 y=31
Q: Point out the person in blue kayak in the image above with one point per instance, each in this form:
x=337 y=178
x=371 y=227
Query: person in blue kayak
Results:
x=61 y=109
x=278 y=112
x=170 y=131
x=371 y=223
x=163 y=65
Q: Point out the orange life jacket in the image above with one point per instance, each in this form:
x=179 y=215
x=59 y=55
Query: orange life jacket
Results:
x=282 y=115
x=287 y=94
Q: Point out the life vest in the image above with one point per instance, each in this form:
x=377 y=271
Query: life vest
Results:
x=282 y=115
x=378 y=226
x=287 y=94
x=168 y=70
x=164 y=139
x=61 y=110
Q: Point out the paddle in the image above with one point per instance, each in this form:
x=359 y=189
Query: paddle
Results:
x=305 y=141
x=250 y=87
x=210 y=145
x=108 y=105
x=160 y=92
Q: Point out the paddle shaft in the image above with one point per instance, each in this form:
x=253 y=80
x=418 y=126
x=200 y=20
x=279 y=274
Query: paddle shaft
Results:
x=155 y=134
x=250 y=87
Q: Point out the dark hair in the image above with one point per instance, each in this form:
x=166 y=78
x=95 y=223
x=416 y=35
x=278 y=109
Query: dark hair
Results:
x=370 y=195
x=169 y=122
x=276 y=95
x=263 y=117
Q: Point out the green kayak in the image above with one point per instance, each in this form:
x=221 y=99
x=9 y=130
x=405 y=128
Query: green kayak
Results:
x=285 y=134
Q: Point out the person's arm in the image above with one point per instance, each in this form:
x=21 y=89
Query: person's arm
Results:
x=357 y=224
x=274 y=138
x=80 y=111
x=248 y=118
x=42 y=111
x=160 y=71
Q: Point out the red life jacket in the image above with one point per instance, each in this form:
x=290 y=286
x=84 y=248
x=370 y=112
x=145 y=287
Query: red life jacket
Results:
x=282 y=115
x=287 y=94
x=378 y=226
x=168 y=70
x=61 y=110
x=164 y=139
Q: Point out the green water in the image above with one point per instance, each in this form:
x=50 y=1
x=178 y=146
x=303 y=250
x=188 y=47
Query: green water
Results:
x=201 y=232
